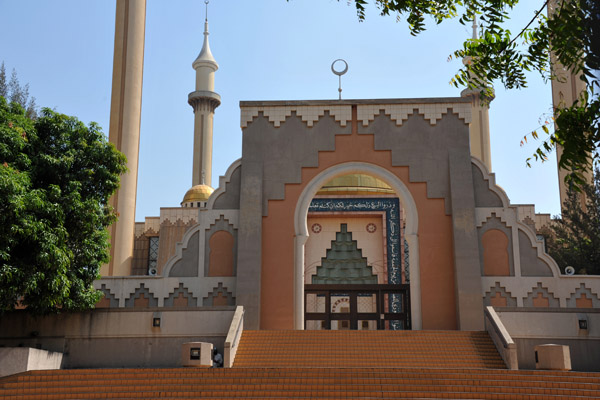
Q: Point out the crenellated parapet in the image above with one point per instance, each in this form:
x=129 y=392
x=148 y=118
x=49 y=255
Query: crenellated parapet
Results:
x=398 y=110
x=151 y=292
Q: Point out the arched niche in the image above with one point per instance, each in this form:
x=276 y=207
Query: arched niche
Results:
x=410 y=232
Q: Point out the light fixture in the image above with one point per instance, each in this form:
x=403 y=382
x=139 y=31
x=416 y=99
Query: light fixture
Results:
x=195 y=353
x=156 y=317
x=583 y=324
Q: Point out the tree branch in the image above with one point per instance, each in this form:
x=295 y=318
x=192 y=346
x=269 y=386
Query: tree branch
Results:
x=526 y=26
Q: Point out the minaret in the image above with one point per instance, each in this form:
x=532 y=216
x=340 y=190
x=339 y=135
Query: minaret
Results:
x=566 y=89
x=124 y=128
x=204 y=101
x=480 y=120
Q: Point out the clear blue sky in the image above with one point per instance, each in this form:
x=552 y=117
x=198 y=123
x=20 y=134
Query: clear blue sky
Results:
x=266 y=50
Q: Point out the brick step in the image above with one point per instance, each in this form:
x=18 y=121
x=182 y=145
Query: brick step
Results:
x=364 y=346
x=351 y=354
x=433 y=362
x=252 y=379
x=482 y=386
x=320 y=392
x=323 y=373
x=302 y=383
x=458 y=352
x=399 y=341
x=375 y=364
x=404 y=346
x=401 y=395
x=237 y=382
x=456 y=349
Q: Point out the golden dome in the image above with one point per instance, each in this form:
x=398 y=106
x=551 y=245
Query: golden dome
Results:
x=354 y=184
x=197 y=193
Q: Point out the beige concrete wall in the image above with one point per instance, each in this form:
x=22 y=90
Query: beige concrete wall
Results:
x=531 y=327
x=118 y=337
x=584 y=353
x=550 y=323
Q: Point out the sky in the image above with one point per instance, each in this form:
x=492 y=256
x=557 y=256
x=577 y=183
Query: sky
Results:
x=266 y=50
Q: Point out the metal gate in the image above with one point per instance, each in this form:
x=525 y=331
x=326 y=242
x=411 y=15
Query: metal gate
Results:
x=357 y=307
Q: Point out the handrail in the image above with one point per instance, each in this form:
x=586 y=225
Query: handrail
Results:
x=502 y=339
x=233 y=336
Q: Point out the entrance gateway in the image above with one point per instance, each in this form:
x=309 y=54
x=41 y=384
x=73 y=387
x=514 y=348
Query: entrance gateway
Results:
x=346 y=285
x=362 y=281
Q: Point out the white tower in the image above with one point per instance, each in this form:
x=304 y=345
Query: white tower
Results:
x=124 y=130
x=479 y=130
x=204 y=101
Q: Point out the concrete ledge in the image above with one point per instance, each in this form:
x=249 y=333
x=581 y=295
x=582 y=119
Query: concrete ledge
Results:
x=430 y=100
x=547 y=310
x=14 y=360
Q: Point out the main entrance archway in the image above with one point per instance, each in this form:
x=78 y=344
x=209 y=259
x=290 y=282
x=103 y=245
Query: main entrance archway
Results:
x=410 y=234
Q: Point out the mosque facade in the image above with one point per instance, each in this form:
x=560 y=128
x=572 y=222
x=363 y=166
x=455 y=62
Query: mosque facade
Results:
x=340 y=214
x=390 y=192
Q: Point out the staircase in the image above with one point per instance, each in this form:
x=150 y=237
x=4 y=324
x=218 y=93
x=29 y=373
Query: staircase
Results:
x=323 y=364
x=299 y=383
x=364 y=349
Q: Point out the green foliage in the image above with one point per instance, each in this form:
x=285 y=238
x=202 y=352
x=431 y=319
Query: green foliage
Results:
x=576 y=235
x=56 y=176
x=572 y=31
x=3 y=84
x=15 y=93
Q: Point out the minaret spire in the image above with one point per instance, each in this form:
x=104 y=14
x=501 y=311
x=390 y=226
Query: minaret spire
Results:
x=205 y=55
x=204 y=100
x=479 y=128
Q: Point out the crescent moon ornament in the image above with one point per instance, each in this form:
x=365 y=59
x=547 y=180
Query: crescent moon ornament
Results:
x=342 y=72
x=339 y=73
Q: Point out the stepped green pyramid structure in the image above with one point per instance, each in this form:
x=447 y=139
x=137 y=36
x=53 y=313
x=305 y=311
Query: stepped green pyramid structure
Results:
x=344 y=263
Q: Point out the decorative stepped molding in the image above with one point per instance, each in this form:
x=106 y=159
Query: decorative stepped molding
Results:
x=432 y=112
x=400 y=112
x=309 y=114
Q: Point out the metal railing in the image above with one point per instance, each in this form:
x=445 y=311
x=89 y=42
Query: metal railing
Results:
x=391 y=311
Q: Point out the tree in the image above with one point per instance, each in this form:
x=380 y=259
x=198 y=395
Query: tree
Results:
x=14 y=92
x=572 y=32
x=3 y=86
x=576 y=234
x=56 y=176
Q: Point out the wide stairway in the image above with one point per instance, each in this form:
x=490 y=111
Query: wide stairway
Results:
x=341 y=349
x=317 y=364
